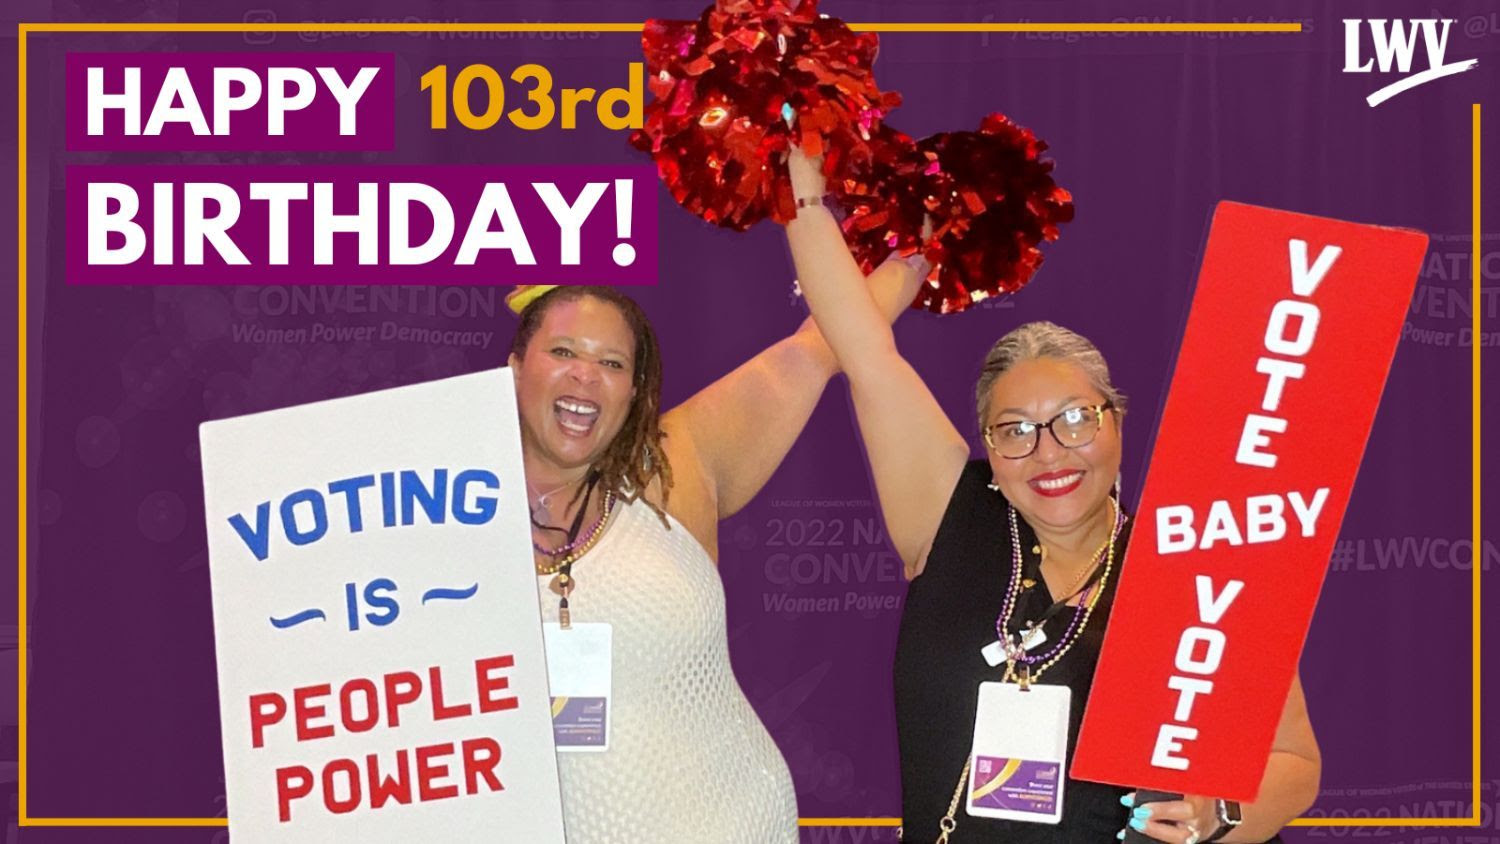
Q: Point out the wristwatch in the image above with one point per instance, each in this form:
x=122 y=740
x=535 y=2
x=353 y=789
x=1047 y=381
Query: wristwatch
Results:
x=1228 y=813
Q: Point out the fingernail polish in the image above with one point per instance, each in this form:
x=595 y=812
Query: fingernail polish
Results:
x=1127 y=800
x=1138 y=824
x=1120 y=835
x=1142 y=812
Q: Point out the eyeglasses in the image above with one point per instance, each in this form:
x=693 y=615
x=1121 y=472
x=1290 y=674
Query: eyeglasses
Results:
x=1075 y=427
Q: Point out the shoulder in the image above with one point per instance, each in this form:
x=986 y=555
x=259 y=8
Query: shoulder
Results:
x=689 y=499
x=976 y=475
x=972 y=493
x=974 y=522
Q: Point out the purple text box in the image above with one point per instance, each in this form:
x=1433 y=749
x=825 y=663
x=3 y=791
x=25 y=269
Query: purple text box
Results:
x=608 y=247
x=367 y=123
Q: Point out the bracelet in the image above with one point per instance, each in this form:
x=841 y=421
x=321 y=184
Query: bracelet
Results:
x=811 y=201
x=1229 y=818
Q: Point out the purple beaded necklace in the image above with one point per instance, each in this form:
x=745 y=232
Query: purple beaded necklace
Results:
x=584 y=537
x=1002 y=622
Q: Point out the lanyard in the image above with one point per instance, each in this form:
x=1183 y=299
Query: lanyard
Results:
x=1014 y=626
x=1014 y=645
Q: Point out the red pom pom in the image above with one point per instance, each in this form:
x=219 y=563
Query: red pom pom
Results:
x=885 y=196
x=725 y=87
x=1003 y=203
x=990 y=198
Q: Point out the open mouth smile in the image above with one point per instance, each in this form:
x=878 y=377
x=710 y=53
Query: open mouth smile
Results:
x=575 y=416
x=1055 y=484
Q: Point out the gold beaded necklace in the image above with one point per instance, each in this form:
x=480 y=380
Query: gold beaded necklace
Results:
x=1099 y=554
x=593 y=539
x=564 y=583
x=1026 y=676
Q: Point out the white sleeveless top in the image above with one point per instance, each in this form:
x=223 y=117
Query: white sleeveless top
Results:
x=688 y=759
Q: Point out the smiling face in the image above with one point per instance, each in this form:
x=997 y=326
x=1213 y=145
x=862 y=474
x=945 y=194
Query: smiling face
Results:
x=574 y=384
x=1056 y=488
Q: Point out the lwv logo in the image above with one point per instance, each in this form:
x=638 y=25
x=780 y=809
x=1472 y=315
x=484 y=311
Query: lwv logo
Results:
x=1395 y=46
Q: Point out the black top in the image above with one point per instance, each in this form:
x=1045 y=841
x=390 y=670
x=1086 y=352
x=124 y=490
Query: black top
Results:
x=949 y=617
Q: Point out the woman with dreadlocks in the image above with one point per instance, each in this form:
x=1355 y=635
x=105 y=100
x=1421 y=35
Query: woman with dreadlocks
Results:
x=626 y=502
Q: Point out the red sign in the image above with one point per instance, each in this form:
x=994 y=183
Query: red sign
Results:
x=1291 y=335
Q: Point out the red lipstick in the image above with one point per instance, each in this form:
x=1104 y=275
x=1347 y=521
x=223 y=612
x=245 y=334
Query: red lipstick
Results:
x=1056 y=484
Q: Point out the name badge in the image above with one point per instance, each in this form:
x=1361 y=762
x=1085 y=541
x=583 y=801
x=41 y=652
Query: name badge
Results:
x=994 y=652
x=1019 y=760
x=578 y=673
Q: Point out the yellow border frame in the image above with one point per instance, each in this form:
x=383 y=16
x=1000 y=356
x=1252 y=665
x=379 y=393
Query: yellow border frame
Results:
x=23 y=29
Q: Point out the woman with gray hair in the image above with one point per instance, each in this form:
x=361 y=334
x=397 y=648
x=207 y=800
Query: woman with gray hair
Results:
x=1013 y=562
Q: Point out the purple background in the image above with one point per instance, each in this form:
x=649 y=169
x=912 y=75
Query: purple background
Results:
x=1149 y=131
x=315 y=126
x=461 y=186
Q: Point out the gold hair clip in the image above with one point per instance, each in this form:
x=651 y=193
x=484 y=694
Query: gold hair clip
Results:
x=525 y=294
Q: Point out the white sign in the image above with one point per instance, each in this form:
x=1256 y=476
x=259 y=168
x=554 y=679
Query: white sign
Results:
x=381 y=671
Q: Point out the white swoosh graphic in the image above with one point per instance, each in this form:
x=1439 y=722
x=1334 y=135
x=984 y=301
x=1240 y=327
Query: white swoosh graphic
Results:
x=1416 y=79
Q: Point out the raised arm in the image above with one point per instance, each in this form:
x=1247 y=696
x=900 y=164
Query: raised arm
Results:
x=725 y=441
x=915 y=452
